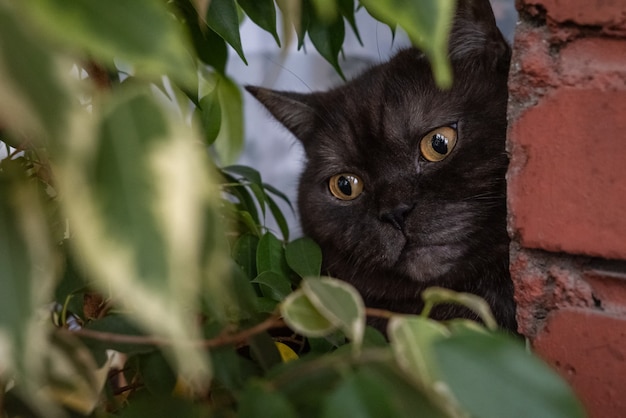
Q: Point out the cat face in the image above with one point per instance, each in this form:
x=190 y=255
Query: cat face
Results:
x=404 y=184
x=402 y=178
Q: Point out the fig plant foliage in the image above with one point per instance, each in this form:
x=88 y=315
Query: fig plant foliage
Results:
x=137 y=276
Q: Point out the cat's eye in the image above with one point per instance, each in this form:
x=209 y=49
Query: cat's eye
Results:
x=345 y=186
x=438 y=143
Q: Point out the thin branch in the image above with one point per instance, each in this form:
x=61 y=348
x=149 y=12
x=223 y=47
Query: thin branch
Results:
x=380 y=313
x=273 y=321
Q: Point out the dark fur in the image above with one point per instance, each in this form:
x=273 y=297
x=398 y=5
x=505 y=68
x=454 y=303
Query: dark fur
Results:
x=454 y=232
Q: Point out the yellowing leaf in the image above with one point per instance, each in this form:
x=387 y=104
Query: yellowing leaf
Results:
x=286 y=353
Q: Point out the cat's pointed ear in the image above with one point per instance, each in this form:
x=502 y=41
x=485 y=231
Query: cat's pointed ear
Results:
x=295 y=111
x=475 y=30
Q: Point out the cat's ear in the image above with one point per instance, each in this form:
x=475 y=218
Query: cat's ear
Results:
x=474 y=30
x=296 y=111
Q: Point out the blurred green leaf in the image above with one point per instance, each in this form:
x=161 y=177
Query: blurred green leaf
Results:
x=124 y=184
x=210 y=116
x=437 y=295
x=210 y=47
x=493 y=376
x=361 y=396
x=328 y=37
x=229 y=141
x=339 y=303
x=143 y=405
x=273 y=285
x=378 y=390
x=271 y=255
x=35 y=101
x=156 y=373
x=263 y=13
x=142 y=33
x=326 y=10
x=17 y=283
x=412 y=340
x=264 y=351
x=303 y=317
x=137 y=189
x=222 y=17
x=304 y=257
x=427 y=22
x=346 y=8
x=257 y=401
x=244 y=254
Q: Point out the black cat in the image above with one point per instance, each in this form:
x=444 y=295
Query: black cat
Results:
x=404 y=187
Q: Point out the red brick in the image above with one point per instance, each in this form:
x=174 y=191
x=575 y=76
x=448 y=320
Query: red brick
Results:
x=609 y=289
x=567 y=182
x=588 y=349
x=594 y=62
x=604 y=13
x=545 y=282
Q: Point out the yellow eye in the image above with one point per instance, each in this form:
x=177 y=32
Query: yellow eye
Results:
x=345 y=186
x=438 y=143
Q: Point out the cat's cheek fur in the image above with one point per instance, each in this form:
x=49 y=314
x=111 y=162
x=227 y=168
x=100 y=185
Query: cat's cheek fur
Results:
x=426 y=264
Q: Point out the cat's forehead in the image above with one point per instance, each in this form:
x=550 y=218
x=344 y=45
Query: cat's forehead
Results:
x=396 y=101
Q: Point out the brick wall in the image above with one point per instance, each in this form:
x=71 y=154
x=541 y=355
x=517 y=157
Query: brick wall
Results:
x=567 y=192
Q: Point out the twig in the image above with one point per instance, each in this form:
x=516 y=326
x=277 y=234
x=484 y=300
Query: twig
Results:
x=380 y=313
x=273 y=321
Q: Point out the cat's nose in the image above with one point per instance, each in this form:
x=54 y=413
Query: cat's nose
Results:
x=396 y=216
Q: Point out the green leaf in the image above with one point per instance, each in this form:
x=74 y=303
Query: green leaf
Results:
x=303 y=317
x=278 y=216
x=273 y=285
x=209 y=46
x=36 y=103
x=257 y=401
x=264 y=351
x=346 y=8
x=326 y=10
x=273 y=190
x=142 y=33
x=144 y=405
x=157 y=374
x=210 y=116
x=271 y=255
x=124 y=184
x=229 y=141
x=137 y=188
x=244 y=254
x=20 y=269
x=437 y=295
x=239 y=190
x=427 y=22
x=340 y=303
x=304 y=257
x=328 y=39
x=223 y=18
x=493 y=376
x=251 y=224
x=253 y=178
x=412 y=340
x=263 y=13
x=360 y=396
x=377 y=390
